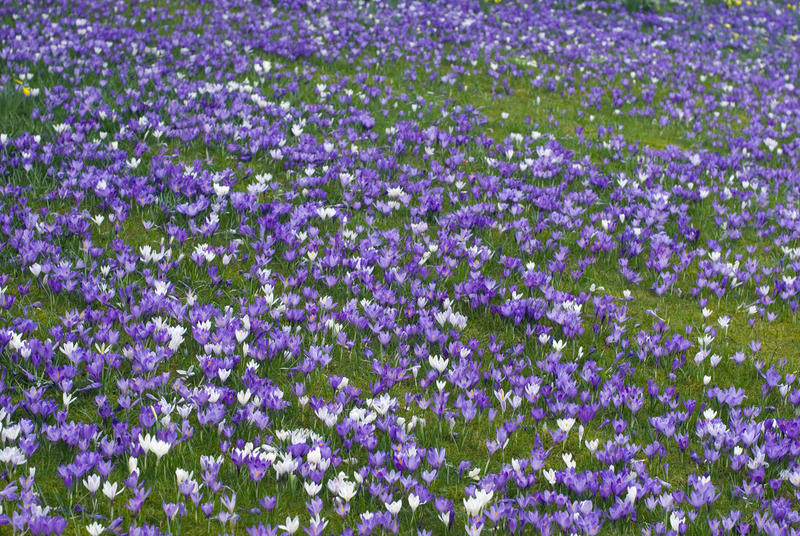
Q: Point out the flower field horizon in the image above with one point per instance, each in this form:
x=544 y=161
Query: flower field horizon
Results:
x=399 y=267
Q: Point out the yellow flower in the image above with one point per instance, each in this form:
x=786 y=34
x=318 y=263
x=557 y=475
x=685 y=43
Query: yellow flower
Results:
x=25 y=90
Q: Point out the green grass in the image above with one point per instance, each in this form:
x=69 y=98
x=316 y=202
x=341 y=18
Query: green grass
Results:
x=526 y=107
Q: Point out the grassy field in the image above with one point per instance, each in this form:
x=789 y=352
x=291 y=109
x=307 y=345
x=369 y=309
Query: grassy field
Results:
x=410 y=267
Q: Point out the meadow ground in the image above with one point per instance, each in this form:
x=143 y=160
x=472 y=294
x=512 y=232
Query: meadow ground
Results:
x=399 y=267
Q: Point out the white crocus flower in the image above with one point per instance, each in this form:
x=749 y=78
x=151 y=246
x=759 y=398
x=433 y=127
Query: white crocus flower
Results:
x=438 y=363
x=160 y=448
x=346 y=490
x=182 y=475
x=111 y=490
x=92 y=483
x=565 y=425
x=413 y=501
x=394 y=507
x=312 y=488
x=95 y=529
x=290 y=525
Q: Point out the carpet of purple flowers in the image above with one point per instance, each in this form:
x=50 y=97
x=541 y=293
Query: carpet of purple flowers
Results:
x=410 y=267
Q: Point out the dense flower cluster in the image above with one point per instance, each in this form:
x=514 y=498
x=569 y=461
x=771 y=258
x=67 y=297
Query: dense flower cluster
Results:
x=367 y=268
